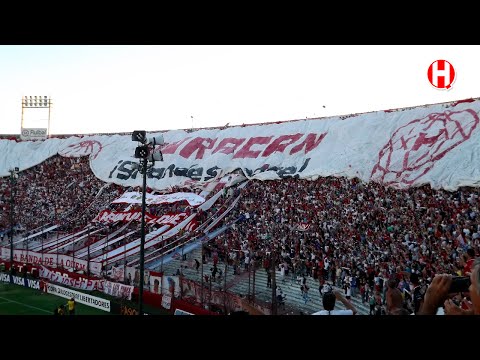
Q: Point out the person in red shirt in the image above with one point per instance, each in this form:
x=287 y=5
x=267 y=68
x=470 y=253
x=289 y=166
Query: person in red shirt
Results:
x=469 y=259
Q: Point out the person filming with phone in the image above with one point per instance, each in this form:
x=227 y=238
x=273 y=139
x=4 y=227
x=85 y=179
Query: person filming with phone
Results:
x=445 y=289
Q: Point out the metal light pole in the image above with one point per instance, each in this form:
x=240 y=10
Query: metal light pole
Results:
x=42 y=250
x=73 y=255
x=201 y=275
x=144 y=153
x=88 y=253
x=274 y=283
x=163 y=253
x=13 y=180
x=225 y=280
x=143 y=164
x=56 y=249
x=253 y=282
x=125 y=261
x=249 y=277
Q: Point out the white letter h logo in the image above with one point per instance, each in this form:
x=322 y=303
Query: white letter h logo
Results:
x=441 y=73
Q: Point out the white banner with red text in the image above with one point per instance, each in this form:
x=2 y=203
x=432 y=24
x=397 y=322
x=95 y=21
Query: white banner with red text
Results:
x=118 y=290
x=108 y=216
x=428 y=144
x=64 y=279
x=52 y=260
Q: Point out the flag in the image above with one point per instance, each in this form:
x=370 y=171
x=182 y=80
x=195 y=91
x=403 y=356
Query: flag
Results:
x=303 y=227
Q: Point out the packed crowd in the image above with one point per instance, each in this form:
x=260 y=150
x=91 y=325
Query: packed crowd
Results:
x=60 y=190
x=361 y=237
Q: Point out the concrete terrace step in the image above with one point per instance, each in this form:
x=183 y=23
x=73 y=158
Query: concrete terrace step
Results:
x=294 y=300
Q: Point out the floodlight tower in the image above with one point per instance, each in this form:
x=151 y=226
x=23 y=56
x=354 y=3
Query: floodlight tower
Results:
x=13 y=182
x=144 y=152
x=35 y=102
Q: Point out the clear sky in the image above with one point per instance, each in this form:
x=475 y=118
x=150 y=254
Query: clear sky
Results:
x=110 y=88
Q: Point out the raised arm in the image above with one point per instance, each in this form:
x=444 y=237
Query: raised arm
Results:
x=346 y=302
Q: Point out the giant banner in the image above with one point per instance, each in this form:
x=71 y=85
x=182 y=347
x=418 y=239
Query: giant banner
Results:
x=434 y=144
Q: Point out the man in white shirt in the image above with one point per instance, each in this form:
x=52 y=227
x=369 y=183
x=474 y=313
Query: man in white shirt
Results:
x=328 y=301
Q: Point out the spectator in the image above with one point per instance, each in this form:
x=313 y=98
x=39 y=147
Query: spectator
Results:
x=418 y=293
x=438 y=294
x=395 y=302
x=471 y=307
x=329 y=299
x=71 y=306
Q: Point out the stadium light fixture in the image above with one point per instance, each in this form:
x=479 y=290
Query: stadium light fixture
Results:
x=36 y=101
x=145 y=153
x=140 y=136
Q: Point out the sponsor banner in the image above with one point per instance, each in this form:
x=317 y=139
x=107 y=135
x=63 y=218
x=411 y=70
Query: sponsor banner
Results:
x=136 y=198
x=33 y=134
x=118 y=290
x=65 y=261
x=32 y=284
x=17 y=280
x=79 y=297
x=107 y=216
x=401 y=148
x=64 y=279
x=4 y=277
